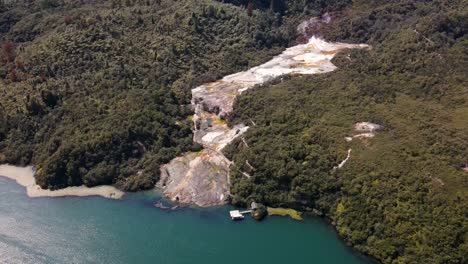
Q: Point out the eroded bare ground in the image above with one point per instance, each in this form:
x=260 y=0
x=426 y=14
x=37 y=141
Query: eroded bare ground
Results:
x=203 y=178
x=200 y=178
x=310 y=58
x=362 y=130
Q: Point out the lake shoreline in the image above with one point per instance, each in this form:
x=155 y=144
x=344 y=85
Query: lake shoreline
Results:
x=24 y=176
x=131 y=230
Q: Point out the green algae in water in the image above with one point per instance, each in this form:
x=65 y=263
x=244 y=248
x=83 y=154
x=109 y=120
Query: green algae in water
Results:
x=285 y=212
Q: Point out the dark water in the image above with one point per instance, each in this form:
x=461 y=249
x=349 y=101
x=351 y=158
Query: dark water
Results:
x=96 y=230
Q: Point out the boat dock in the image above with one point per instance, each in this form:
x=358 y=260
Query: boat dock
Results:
x=238 y=215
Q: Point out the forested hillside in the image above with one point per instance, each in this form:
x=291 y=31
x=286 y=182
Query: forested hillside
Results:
x=96 y=92
x=402 y=196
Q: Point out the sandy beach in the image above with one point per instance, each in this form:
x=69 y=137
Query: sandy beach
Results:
x=24 y=176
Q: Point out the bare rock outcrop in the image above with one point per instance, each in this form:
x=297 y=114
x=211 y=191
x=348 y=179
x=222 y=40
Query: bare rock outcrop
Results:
x=203 y=178
x=197 y=178
x=364 y=130
x=310 y=58
x=367 y=127
x=314 y=26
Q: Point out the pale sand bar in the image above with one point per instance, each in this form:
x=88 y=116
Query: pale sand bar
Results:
x=24 y=176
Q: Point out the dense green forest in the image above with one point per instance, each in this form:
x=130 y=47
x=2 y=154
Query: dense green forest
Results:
x=97 y=92
x=402 y=197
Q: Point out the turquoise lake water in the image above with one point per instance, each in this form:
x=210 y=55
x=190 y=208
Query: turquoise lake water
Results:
x=97 y=230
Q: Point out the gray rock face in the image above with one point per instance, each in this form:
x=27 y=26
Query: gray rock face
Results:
x=314 y=26
x=197 y=178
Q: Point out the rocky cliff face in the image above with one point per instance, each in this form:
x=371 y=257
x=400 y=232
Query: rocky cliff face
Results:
x=203 y=178
x=197 y=178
